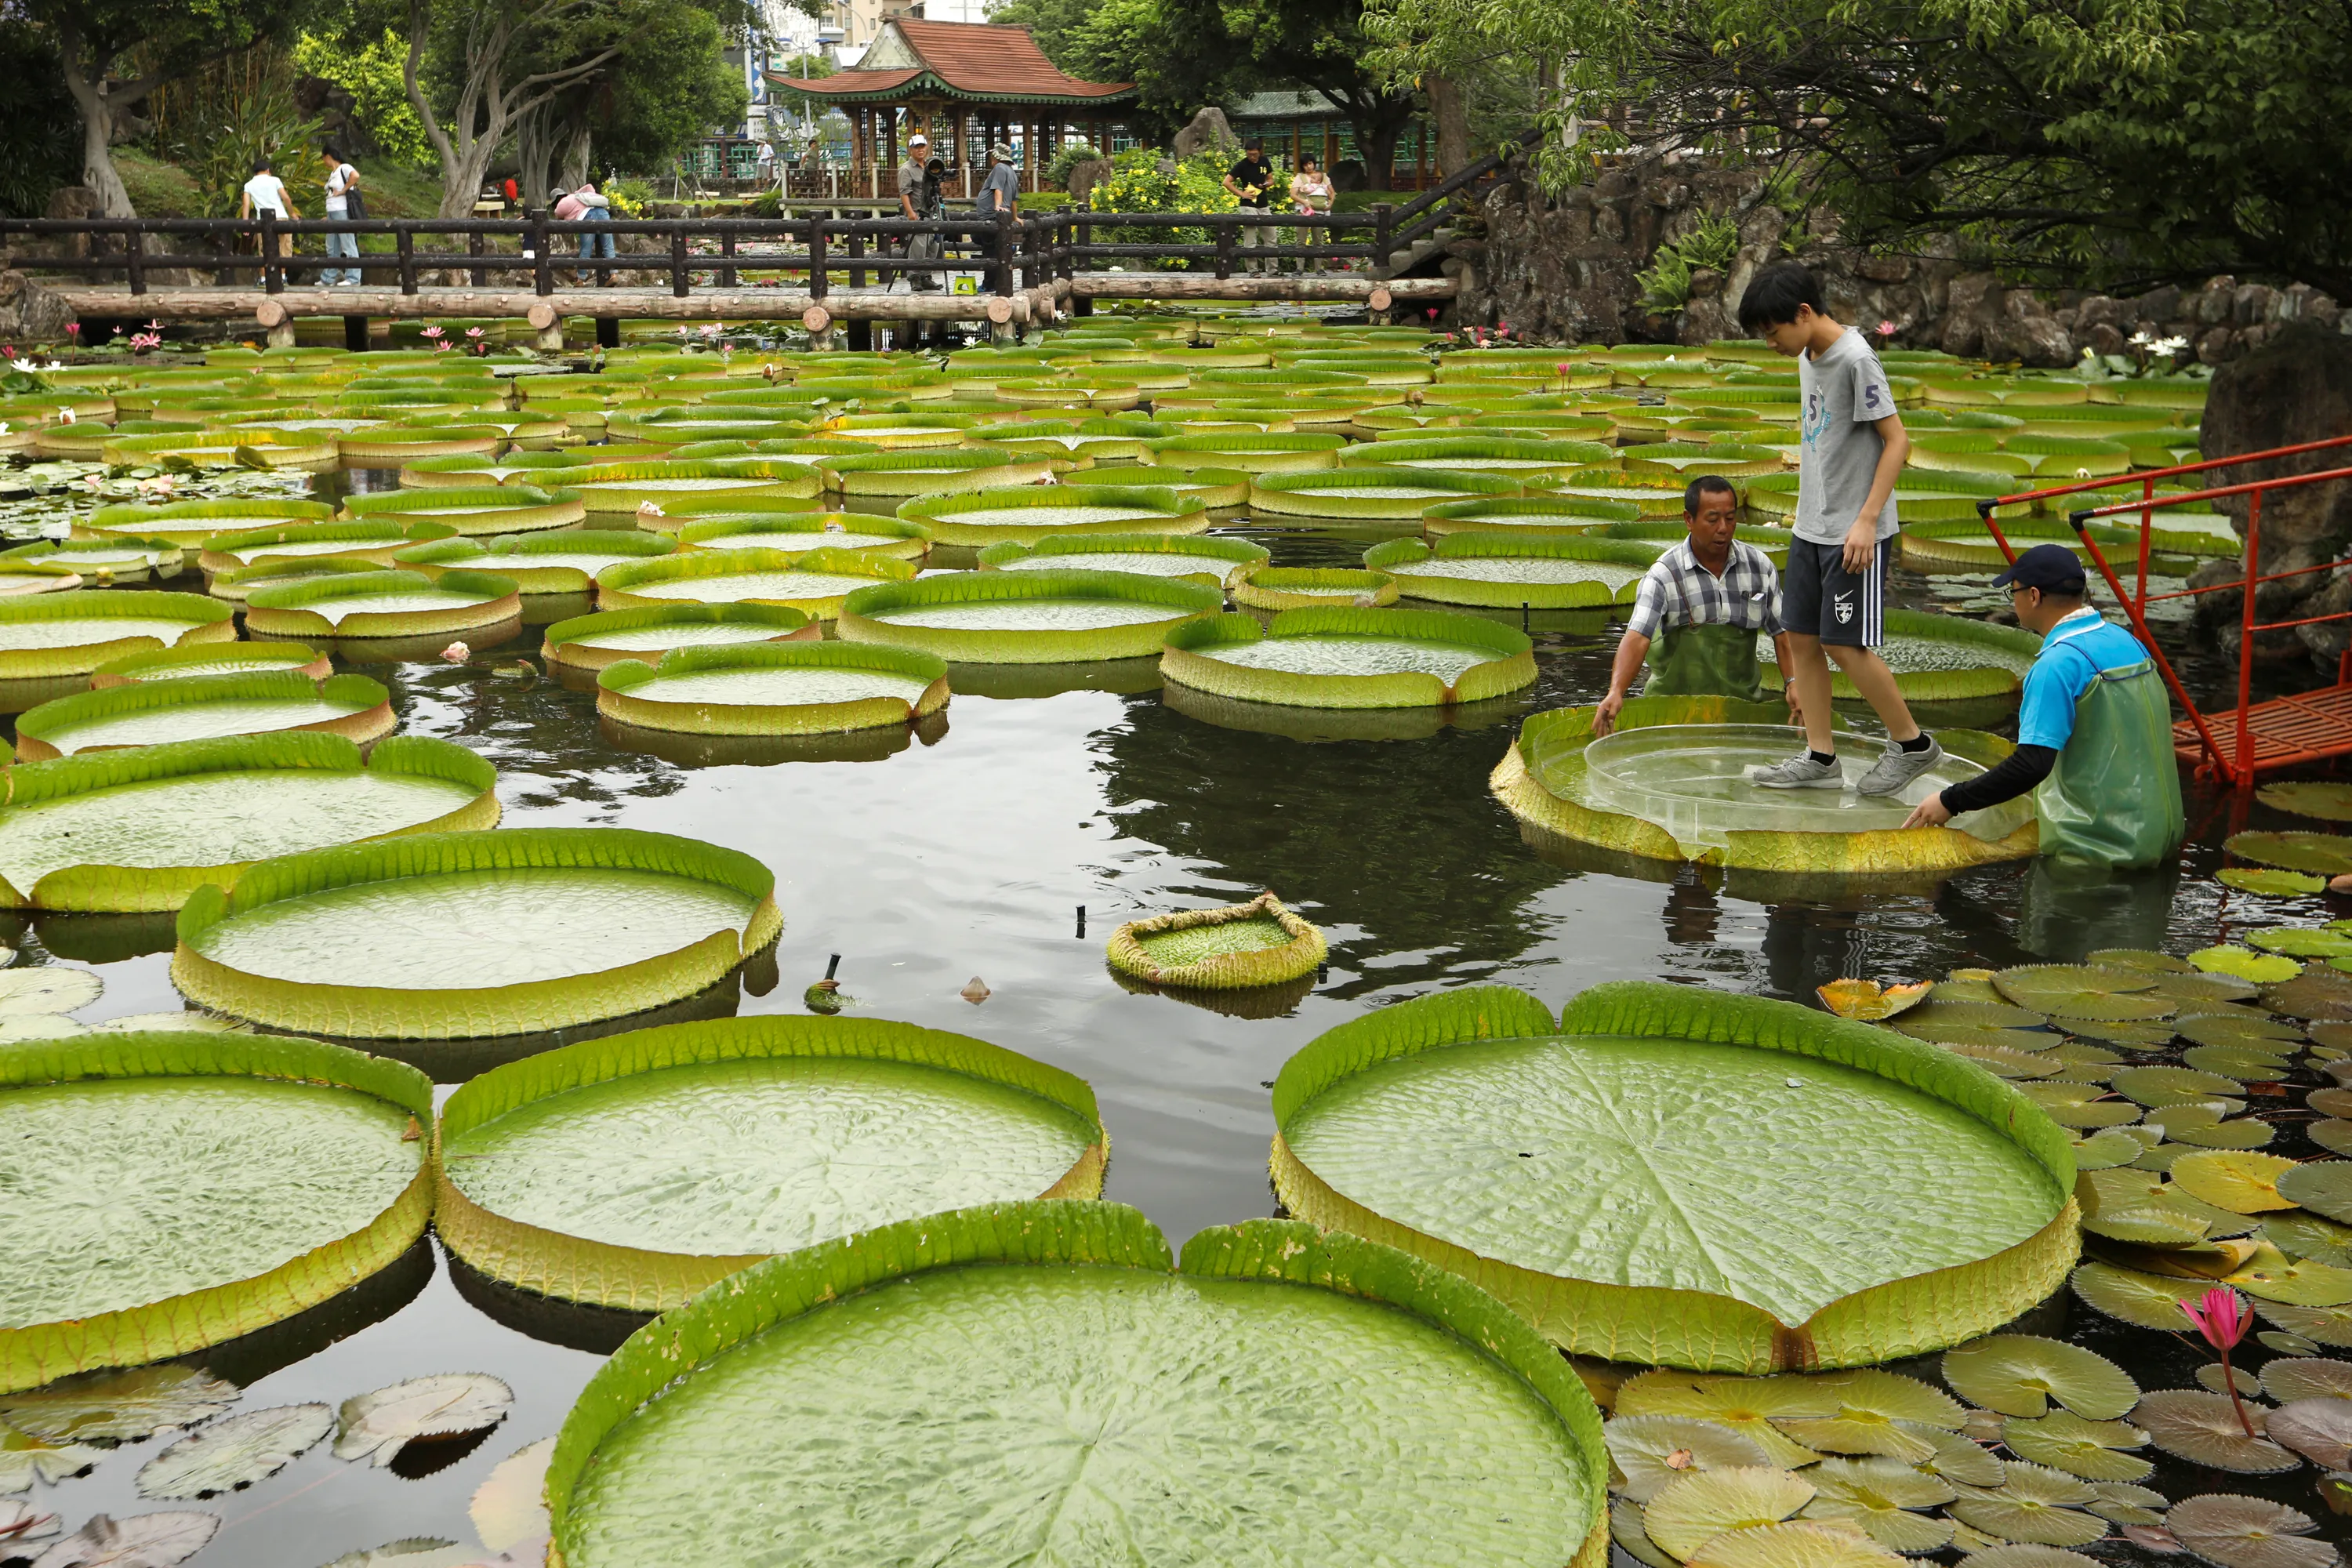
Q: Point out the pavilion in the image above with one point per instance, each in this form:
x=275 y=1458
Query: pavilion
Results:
x=966 y=85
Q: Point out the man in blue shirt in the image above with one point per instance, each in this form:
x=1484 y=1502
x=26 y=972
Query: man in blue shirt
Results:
x=2094 y=730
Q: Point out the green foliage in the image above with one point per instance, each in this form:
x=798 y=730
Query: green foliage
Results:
x=371 y=72
x=215 y=123
x=2108 y=141
x=37 y=122
x=1667 y=281
x=670 y=87
x=629 y=194
x=1067 y=157
x=1138 y=184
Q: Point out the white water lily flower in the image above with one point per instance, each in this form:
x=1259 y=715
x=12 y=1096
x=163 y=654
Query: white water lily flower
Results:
x=22 y=366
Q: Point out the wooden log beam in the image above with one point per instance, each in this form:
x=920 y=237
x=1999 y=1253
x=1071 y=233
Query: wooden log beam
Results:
x=1297 y=286
x=703 y=305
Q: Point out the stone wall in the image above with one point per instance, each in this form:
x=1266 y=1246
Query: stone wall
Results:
x=1566 y=271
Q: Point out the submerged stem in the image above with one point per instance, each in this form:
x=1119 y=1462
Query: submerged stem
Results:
x=2230 y=1381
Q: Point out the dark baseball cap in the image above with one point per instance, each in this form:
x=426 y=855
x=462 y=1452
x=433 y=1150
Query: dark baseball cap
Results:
x=2049 y=567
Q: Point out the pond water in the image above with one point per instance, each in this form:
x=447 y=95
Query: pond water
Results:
x=1007 y=845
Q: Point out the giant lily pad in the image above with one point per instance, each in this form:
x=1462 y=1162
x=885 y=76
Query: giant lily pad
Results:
x=592 y=642
x=1261 y=942
x=485 y=510
x=953 y=1384
x=507 y=933
x=1026 y=618
x=141 y=829
x=382 y=604
x=774 y=688
x=205 y=708
x=246 y=1179
x=813 y=582
x=1506 y=571
x=557 y=563
x=73 y=633
x=1649 y=1129
x=1215 y=560
x=1028 y=516
x=1351 y=658
x=634 y=1171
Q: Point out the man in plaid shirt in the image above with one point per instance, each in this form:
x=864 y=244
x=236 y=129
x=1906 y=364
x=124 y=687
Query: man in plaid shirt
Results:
x=1699 y=611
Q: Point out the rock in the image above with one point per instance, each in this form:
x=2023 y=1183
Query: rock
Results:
x=2293 y=387
x=1884 y=269
x=2212 y=306
x=29 y=313
x=2251 y=303
x=1085 y=175
x=1207 y=132
x=2101 y=339
x=2219 y=346
x=2101 y=310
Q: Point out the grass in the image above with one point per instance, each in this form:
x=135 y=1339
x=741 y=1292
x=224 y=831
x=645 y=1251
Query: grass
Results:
x=157 y=189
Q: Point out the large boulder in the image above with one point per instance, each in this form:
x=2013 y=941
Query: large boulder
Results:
x=2294 y=386
x=1208 y=132
x=1085 y=175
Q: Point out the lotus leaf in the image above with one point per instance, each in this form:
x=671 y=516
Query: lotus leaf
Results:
x=2236 y=1180
x=1650 y=1451
x=375 y=1426
x=2248 y=1532
x=1694 y=1200
x=2086 y=1449
x=2203 y=1428
x=2245 y=963
x=2324 y=1186
x=118 y=1407
x=1798 y=1543
x=1876 y=1495
x=1695 y=1509
x=2082 y=991
x=2328 y=801
x=1748 y=1406
x=514 y=931
x=142 y=1541
x=2318 y=1429
x=955 y=1385
x=2019 y=1375
x=634 y=1171
x=235 y=1452
x=2324 y=853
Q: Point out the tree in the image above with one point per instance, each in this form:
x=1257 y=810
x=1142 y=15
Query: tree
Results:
x=36 y=121
x=2118 y=142
x=169 y=40
x=1137 y=41
x=1317 y=44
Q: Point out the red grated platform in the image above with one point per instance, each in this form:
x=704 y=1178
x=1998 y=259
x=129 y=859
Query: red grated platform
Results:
x=2285 y=731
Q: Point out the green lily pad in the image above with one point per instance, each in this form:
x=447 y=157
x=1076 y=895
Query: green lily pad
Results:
x=1878 y=1412
x=2302 y=942
x=1652 y=1451
x=2323 y=798
x=2082 y=991
x=2270 y=881
x=2335 y=1135
x=2324 y=854
x=1880 y=1496
x=2105 y=1149
x=2307 y=1377
x=2020 y=1374
x=1976 y=1014
x=2034 y=1504
x=2240 y=1064
x=2300 y=1235
x=2318 y=1325
x=118 y=1407
x=2323 y=1187
x=2088 y=1450
x=2161 y=1086
x=2145 y=1300
x=2138 y=958
x=2204 y=1429
x=2245 y=963
x=1698 y=1507
x=2130 y=1037
x=1748 y=1406
x=2248 y=1532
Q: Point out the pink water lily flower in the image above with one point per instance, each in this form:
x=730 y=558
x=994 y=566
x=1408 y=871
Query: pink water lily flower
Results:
x=2220 y=1315
x=432 y=332
x=457 y=653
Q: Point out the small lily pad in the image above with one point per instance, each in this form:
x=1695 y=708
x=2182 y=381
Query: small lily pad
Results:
x=2302 y=942
x=2319 y=1325
x=2268 y=880
x=1958 y=1459
x=2145 y=1300
x=235 y=1452
x=2138 y=958
x=2323 y=798
x=2324 y=853
x=2154 y=1086
x=118 y=1407
x=24 y=1458
x=377 y=1426
x=2261 y=968
x=2027 y=1556
x=1625 y=1530
x=2129 y=1037
x=2323 y=1187
x=1876 y=1413
x=2020 y=1374
x=1993 y=1014
x=1868 y=1002
x=1748 y=1406
x=2308 y=1377
x=1879 y=1496
x=2210 y=1378
x=47 y=990
x=2242 y=1063
x=2248 y=1532
x=2088 y=1450
x=2106 y=1149
x=1695 y=1509
x=509 y=1508
x=2033 y=1504
x=2203 y=1429
x=2286 y=1344
x=2244 y=1133
x=2319 y=1429
x=1652 y=1451
x=2082 y=991
x=2238 y=1180
x=142 y=1541
x=1798 y=1543
x=2271 y=1276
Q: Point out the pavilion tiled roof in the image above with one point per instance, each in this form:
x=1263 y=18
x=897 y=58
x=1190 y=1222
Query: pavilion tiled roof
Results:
x=962 y=59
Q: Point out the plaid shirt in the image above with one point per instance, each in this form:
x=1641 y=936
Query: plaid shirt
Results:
x=1678 y=591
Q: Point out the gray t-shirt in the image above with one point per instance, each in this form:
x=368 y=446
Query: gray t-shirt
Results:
x=1000 y=189
x=1843 y=395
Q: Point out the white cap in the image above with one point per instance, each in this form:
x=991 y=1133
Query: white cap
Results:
x=919 y=140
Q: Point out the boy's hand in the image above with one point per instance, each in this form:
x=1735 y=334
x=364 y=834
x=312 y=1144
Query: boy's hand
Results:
x=1860 y=545
x=1604 y=717
x=1789 y=692
x=1928 y=813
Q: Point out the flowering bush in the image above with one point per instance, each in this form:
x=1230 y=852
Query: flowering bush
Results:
x=1138 y=184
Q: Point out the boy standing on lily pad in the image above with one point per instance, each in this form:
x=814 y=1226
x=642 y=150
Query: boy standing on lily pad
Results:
x=1833 y=592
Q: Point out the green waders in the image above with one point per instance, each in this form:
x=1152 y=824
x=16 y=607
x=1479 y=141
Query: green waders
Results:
x=1704 y=661
x=2114 y=798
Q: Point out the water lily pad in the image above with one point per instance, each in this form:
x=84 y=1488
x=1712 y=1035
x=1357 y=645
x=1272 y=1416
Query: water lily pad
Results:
x=2105 y=1149
x=1695 y=1509
x=2026 y=1555
x=2320 y=1429
x=118 y=1407
x=2203 y=1428
x=1878 y=1495
x=509 y=1508
x=2302 y=942
x=2263 y=968
x=2323 y=798
x=2273 y=1276
x=1652 y=1451
x=2319 y=1325
x=2146 y=1300
x=2239 y=1031
x=2020 y=1374
x=2288 y=1344
x=2270 y=882
x=2033 y=1504
x=2308 y=1235
x=2155 y=1086
x=2323 y=1187
x=2084 y=1449
x=2244 y=1064
x=235 y=1452
x=21 y=1521
x=2308 y=1377
x=2214 y=1379
x=2324 y=853
x=1960 y=1460
x=2106 y=1192
x=45 y=991
x=1748 y=1406
x=2082 y=991
x=1971 y=1014
x=2334 y=1134
x=1626 y=1531
x=25 y=1458
x=2232 y=1179
x=1797 y=1544
x=2242 y=1132
x=2330 y=1101
x=375 y=1426
x=142 y=1541
x=2138 y=958
x=2248 y=1532
x=1877 y=1412
x=1868 y=1002
x=2130 y=1037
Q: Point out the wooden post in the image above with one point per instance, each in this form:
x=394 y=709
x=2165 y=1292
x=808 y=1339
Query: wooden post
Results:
x=542 y=268
x=548 y=322
x=474 y=248
x=403 y=243
x=819 y=285
x=818 y=322
x=679 y=276
x=1224 y=225
x=272 y=275
x=727 y=248
x=856 y=255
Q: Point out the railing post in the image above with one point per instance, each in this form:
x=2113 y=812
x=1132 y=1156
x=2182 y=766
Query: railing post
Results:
x=404 y=242
x=856 y=255
x=134 y=261
x=273 y=277
x=1002 y=280
x=819 y=285
x=1383 y=226
x=542 y=252
x=679 y=284
x=480 y=276
x=727 y=248
x=1225 y=241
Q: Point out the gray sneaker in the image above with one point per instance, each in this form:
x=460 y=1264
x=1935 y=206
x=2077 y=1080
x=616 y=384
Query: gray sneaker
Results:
x=1800 y=771
x=1899 y=767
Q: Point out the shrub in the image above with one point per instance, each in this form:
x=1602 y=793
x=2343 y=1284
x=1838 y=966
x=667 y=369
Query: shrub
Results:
x=372 y=75
x=1071 y=155
x=1138 y=184
x=1667 y=282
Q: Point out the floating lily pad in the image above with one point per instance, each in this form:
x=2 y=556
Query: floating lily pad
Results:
x=1262 y=942
x=1960 y=1460
x=2020 y=1374
x=2082 y=991
x=2324 y=854
x=142 y=1541
x=2088 y=1450
x=509 y=1508
x=1940 y=1014
x=2248 y=1532
x=1797 y=1544
x=2322 y=799
x=1748 y=1406
x=2106 y=1192
x=1625 y=1530
x=2159 y=1085
x=2308 y=1235
x=46 y=991
x=1878 y=1495
x=1372 y=1117
x=1878 y=1412
x=2320 y=1429
x=2213 y=1378
x=2105 y=1149
x=2270 y=882
x=2323 y=1187
x=2145 y=1301
x=2273 y=1276
x=1349 y=658
x=235 y=1452
x=983 y=1326
x=376 y=1426
x=1650 y=1451
x=2261 y=968
x=1695 y=1509
x=2138 y=958
x=2236 y=1180
x=25 y=1458
x=2244 y=1064
x=2130 y=1037
x=2026 y=1555
x=2203 y=1428
x=2302 y=942
x=2033 y=1504
x=2244 y=1133
x=118 y=1407
x=2318 y=1325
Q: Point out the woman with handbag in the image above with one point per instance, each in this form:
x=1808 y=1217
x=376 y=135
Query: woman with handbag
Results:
x=343 y=200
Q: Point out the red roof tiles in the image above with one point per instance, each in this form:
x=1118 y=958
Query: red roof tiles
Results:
x=972 y=60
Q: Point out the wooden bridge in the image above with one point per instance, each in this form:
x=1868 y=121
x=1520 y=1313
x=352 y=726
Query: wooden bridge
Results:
x=823 y=267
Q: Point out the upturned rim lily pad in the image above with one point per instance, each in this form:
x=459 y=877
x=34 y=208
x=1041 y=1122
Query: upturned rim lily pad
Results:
x=1225 y=656
x=649 y=696
x=1293 y=949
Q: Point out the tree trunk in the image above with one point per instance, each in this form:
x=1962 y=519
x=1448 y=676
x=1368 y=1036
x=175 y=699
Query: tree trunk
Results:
x=575 y=146
x=535 y=144
x=86 y=80
x=1376 y=140
x=1453 y=116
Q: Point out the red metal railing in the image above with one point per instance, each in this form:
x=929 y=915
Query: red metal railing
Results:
x=2238 y=765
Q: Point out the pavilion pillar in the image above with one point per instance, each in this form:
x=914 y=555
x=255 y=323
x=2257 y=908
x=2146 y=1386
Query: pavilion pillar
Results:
x=1031 y=167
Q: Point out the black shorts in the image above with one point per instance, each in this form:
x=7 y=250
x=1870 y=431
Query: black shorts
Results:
x=1820 y=598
